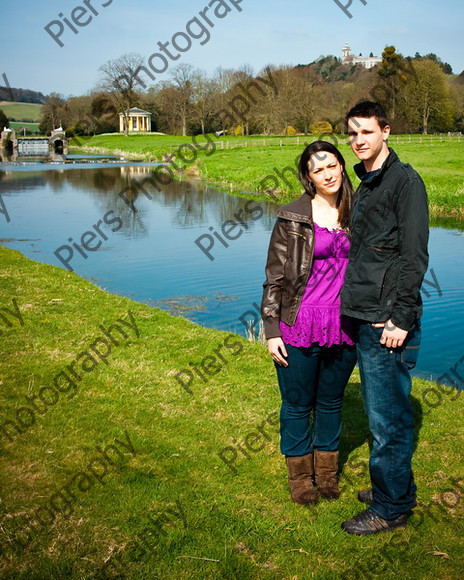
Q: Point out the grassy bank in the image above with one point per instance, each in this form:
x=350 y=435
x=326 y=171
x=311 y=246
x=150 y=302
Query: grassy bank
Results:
x=194 y=485
x=256 y=168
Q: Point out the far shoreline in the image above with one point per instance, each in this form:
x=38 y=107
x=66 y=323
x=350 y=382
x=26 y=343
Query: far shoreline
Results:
x=246 y=168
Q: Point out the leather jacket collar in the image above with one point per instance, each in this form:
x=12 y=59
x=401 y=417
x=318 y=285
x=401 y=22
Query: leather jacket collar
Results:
x=299 y=210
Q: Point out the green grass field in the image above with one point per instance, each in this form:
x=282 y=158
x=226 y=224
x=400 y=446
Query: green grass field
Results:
x=22 y=111
x=34 y=127
x=190 y=489
x=256 y=168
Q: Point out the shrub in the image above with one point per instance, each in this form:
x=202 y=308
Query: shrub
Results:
x=321 y=128
x=290 y=131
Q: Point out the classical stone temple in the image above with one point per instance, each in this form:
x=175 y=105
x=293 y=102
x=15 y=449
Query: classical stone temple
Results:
x=135 y=121
x=366 y=61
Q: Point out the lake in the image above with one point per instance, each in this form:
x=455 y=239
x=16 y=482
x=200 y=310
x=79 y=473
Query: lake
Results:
x=169 y=252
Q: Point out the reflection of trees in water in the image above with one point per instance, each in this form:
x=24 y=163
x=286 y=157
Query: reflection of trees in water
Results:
x=198 y=204
x=9 y=182
x=195 y=203
x=93 y=180
x=133 y=223
x=191 y=203
x=107 y=181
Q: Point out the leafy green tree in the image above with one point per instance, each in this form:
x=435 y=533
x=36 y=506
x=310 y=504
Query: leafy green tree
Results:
x=428 y=99
x=445 y=66
x=393 y=74
x=457 y=94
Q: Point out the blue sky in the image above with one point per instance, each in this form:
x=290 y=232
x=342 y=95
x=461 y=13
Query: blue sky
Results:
x=264 y=32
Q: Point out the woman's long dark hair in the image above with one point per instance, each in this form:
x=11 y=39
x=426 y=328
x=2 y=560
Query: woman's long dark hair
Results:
x=344 y=201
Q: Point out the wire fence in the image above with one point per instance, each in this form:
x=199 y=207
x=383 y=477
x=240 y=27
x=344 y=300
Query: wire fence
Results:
x=301 y=139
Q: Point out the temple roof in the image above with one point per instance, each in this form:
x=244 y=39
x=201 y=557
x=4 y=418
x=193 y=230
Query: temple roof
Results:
x=135 y=111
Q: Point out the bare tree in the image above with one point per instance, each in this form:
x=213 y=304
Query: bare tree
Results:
x=119 y=78
x=184 y=76
x=224 y=81
x=54 y=113
x=205 y=97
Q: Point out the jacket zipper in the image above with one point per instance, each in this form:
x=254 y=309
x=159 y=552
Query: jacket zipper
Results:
x=293 y=233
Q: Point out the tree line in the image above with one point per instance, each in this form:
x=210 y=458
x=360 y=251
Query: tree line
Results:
x=420 y=94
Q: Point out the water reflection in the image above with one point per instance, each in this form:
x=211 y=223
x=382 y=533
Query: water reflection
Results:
x=191 y=200
x=153 y=257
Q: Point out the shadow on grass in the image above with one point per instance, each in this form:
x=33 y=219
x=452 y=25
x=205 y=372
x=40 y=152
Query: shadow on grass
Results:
x=355 y=431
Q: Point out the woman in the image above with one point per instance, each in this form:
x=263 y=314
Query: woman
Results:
x=310 y=342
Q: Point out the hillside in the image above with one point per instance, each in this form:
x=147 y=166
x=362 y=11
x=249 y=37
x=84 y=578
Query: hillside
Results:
x=16 y=111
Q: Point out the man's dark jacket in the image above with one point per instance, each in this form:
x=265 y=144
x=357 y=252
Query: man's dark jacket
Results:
x=388 y=253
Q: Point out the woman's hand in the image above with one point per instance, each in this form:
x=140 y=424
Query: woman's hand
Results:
x=277 y=350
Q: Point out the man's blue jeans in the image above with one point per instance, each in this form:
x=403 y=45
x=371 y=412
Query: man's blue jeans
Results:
x=386 y=385
x=314 y=380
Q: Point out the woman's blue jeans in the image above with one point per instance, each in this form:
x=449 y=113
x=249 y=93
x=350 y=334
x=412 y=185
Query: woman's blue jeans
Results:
x=314 y=380
x=386 y=385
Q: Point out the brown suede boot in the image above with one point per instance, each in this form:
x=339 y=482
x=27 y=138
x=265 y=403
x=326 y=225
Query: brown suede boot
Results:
x=300 y=479
x=326 y=468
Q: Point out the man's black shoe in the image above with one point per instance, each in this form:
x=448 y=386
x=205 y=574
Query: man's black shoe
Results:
x=367 y=523
x=366 y=496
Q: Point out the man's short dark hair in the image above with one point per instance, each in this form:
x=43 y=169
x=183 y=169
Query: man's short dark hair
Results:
x=367 y=110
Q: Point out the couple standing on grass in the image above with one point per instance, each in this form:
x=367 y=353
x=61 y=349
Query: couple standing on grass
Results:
x=343 y=277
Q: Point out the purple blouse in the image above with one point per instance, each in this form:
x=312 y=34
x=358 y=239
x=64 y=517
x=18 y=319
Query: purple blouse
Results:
x=319 y=319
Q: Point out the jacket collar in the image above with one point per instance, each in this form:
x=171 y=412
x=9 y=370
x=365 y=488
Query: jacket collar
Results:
x=299 y=210
x=361 y=170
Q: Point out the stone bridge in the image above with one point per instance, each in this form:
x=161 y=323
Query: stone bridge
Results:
x=56 y=143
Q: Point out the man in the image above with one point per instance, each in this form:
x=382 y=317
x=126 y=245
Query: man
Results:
x=387 y=263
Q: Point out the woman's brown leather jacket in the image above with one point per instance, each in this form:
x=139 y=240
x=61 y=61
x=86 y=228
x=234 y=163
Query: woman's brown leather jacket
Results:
x=288 y=266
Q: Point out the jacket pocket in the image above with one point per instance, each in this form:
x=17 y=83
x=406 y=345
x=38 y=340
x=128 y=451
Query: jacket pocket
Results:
x=367 y=278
